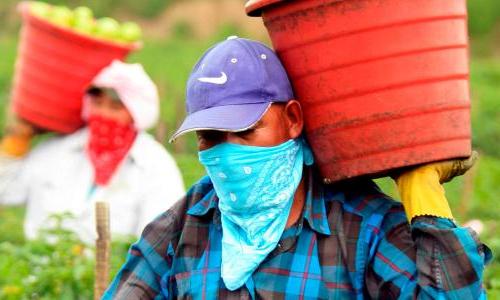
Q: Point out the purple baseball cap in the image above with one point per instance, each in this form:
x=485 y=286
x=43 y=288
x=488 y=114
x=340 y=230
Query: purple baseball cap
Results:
x=232 y=86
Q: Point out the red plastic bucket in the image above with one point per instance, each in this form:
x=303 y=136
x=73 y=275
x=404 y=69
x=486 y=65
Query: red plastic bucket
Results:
x=384 y=84
x=54 y=67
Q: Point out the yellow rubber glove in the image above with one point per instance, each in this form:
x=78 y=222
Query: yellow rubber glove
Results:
x=15 y=145
x=17 y=141
x=421 y=191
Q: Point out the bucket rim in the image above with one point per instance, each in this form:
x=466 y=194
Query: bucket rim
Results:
x=23 y=9
x=254 y=8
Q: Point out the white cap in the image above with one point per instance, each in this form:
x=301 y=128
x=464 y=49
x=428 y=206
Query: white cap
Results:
x=136 y=90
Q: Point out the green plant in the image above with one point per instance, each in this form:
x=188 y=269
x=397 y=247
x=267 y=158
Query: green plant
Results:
x=182 y=30
x=57 y=265
x=485 y=76
x=483 y=16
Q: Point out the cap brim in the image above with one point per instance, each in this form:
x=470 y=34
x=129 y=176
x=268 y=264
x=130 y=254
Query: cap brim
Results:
x=231 y=118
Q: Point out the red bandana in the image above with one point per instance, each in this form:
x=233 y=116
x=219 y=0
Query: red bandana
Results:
x=108 y=144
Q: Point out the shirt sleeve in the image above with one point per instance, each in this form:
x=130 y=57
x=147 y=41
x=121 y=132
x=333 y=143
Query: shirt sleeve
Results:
x=430 y=259
x=14 y=178
x=148 y=266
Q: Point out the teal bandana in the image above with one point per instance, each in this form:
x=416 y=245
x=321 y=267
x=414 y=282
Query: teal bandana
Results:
x=256 y=187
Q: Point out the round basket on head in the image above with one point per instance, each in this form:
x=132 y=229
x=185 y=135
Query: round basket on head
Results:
x=383 y=84
x=54 y=67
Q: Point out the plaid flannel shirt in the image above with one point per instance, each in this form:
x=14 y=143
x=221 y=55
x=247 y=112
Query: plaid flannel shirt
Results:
x=352 y=242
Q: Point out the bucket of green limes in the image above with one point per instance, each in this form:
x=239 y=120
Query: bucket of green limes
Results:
x=60 y=51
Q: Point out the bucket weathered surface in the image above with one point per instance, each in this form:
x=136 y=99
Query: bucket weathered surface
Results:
x=54 y=67
x=383 y=83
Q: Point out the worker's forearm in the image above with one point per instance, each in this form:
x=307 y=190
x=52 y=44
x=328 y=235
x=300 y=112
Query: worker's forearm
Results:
x=450 y=260
x=430 y=259
x=422 y=194
x=421 y=191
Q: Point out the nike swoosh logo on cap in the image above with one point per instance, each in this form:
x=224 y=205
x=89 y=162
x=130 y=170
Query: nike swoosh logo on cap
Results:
x=215 y=80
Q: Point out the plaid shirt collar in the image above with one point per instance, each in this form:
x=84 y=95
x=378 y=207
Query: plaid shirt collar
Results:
x=314 y=209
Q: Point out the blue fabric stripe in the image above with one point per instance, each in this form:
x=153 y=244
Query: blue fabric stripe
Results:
x=303 y=269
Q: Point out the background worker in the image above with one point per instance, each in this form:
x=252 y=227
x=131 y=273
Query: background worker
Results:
x=263 y=225
x=112 y=159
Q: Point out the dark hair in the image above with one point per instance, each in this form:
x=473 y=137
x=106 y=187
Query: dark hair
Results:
x=99 y=91
x=94 y=91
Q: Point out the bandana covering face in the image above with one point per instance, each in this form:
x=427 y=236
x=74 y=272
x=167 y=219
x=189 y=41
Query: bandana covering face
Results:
x=108 y=144
x=256 y=187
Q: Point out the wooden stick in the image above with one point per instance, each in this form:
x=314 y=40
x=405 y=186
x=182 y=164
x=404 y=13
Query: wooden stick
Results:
x=102 y=249
x=161 y=131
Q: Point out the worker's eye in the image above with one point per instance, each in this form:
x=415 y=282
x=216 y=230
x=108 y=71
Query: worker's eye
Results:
x=209 y=136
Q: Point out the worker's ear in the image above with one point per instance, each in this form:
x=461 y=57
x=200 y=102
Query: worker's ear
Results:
x=294 y=118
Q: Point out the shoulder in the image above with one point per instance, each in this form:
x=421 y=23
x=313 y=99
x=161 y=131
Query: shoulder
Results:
x=168 y=226
x=58 y=146
x=364 y=198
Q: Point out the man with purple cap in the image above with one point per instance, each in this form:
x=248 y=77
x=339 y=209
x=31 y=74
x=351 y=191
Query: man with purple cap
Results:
x=112 y=159
x=263 y=225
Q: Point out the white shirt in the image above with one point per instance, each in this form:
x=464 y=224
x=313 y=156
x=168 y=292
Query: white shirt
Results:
x=57 y=177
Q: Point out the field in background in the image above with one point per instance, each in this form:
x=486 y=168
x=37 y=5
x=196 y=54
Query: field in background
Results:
x=169 y=61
